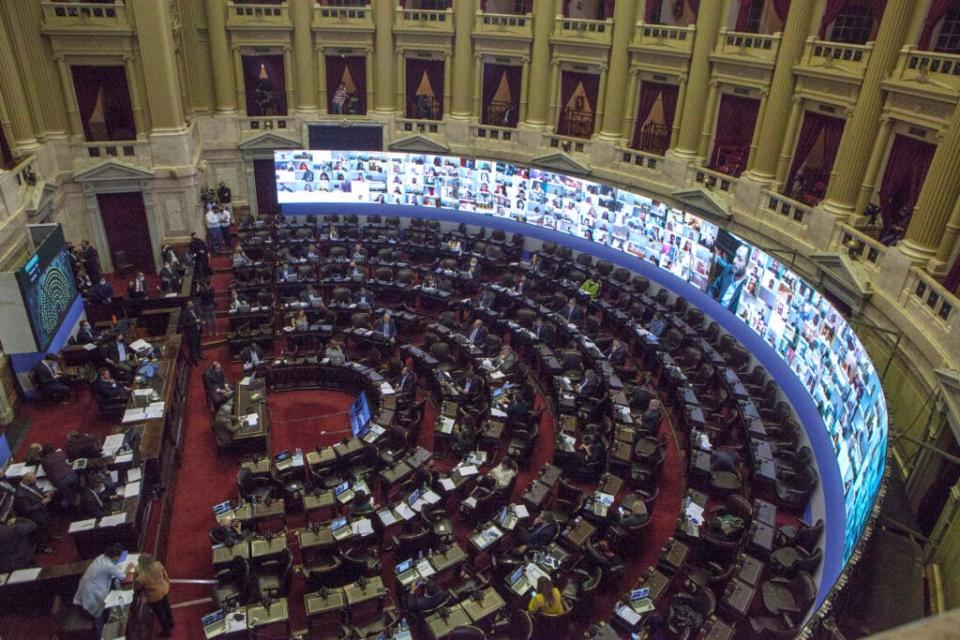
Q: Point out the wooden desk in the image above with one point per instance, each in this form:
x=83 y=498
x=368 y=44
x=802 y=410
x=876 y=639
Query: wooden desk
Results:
x=259 y=616
x=356 y=594
x=749 y=569
x=737 y=597
x=319 y=539
x=482 y=607
x=536 y=495
x=579 y=533
x=674 y=555
x=656 y=581
x=440 y=627
x=449 y=558
x=264 y=548
x=224 y=555
x=316 y=604
x=251 y=438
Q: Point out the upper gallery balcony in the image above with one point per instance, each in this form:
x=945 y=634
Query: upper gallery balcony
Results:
x=433 y=21
x=838 y=59
x=583 y=31
x=249 y=15
x=661 y=38
x=738 y=47
x=503 y=25
x=74 y=16
x=929 y=72
x=342 y=15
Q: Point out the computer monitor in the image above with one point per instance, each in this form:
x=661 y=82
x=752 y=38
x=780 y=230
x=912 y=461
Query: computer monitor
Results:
x=639 y=594
x=404 y=566
x=341 y=488
x=339 y=523
x=516 y=575
x=504 y=514
x=222 y=508
x=414 y=496
x=359 y=413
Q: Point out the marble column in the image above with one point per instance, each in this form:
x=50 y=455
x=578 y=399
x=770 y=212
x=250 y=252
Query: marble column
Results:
x=155 y=35
x=786 y=147
x=618 y=73
x=708 y=119
x=948 y=242
x=463 y=63
x=780 y=108
x=544 y=13
x=853 y=156
x=301 y=13
x=878 y=151
x=693 y=107
x=20 y=134
x=136 y=104
x=938 y=197
x=221 y=60
x=384 y=56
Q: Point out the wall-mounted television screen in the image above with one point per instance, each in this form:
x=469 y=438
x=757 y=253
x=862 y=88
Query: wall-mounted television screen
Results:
x=787 y=312
x=48 y=287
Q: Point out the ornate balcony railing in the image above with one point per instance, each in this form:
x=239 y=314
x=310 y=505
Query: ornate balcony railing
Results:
x=837 y=56
x=503 y=25
x=85 y=14
x=425 y=20
x=710 y=179
x=748 y=45
x=641 y=159
x=493 y=132
x=660 y=37
x=339 y=17
x=258 y=16
x=928 y=67
x=581 y=31
x=928 y=295
x=858 y=244
x=787 y=207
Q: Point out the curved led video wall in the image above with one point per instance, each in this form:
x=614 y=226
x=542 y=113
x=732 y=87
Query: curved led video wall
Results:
x=780 y=308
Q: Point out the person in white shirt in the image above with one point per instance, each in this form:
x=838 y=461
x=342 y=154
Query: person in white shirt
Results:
x=505 y=472
x=505 y=360
x=226 y=219
x=103 y=574
x=213 y=230
x=334 y=353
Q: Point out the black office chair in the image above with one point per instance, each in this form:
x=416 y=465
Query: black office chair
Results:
x=233 y=584
x=256 y=488
x=325 y=574
x=274 y=576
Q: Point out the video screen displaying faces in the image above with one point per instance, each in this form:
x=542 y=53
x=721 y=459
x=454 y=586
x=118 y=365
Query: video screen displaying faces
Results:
x=787 y=312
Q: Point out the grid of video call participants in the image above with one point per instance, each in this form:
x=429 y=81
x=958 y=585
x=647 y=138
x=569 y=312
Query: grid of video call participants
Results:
x=807 y=332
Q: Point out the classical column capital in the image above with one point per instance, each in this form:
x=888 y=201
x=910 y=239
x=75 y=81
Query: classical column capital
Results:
x=713 y=83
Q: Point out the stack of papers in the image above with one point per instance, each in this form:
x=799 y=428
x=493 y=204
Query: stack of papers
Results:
x=362 y=527
x=468 y=470
x=112 y=443
x=448 y=484
x=154 y=410
x=131 y=489
x=132 y=474
x=425 y=569
x=113 y=520
x=695 y=513
x=82 y=525
x=118 y=598
x=252 y=419
x=24 y=575
x=141 y=345
x=134 y=415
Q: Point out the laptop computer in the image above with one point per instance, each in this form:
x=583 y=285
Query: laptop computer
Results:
x=518 y=581
x=414 y=498
x=406 y=571
x=507 y=519
x=340 y=528
x=214 y=623
x=640 y=600
x=222 y=508
x=343 y=492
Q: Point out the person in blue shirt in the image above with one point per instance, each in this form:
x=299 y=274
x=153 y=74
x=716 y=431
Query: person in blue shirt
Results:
x=731 y=278
x=104 y=574
x=657 y=325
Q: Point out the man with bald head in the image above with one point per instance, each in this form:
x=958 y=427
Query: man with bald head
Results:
x=31 y=503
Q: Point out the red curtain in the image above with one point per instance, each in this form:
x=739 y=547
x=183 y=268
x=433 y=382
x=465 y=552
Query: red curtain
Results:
x=415 y=70
x=125 y=225
x=906 y=169
x=938 y=9
x=336 y=68
x=649 y=92
x=782 y=7
x=265 y=179
x=578 y=120
x=671 y=93
x=743 y=13
x=813 y=124
x=108 y=87
x=832 y=133
x=830 y=13
x=266 y=96
x=608 y=9
x=650 y=11
x=736 y=120
x=492 y=73
x=694 y=6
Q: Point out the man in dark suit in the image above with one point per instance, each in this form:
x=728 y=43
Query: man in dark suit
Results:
x=169 y=280
x=523 y=286
x=193 y=328
x=17 y=551
x=106 y=389
x=541 y=532
x=425 y=595
x=730 y=279
x=91 y=260
x=387 y=327
x=50 y=382
x=408 y=381
x=478 y=334
x=201 y=255
x=252 y=356
x=486 y=299
x=365 y=297
x=119 y=356
x=617 y=354
x=215 y=385
x=86 y=334
x=543 y=331
x=572 y=312
x=30 y=502
x=101 y=292
x=137 y=288
x=590 y=386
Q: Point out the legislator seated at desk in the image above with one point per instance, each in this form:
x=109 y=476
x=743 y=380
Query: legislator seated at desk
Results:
x=87 y=335
x=485 y=300
x=31 y=503
x=652 y=416
x=16 y=546
x=215 y=385
x=477 y=336
x=543 y=331
x=119 y=356
x=225 y=425
x=523 y=285
x=238 y=304
x=312 y=297
x=616 y=352
x=424 y=595
x=406 y=384
x=229 y=531
x=364 y=298
x=591 y=288
x=505 y=360
x=334 y=353
x=48 y=379
x=590 y=387
x=297 y=321
x=541 y=532
x=252 y=357
x=240 y=258
x=572 y=313
x=97 y=499
x=108 y=391
x=472 y=389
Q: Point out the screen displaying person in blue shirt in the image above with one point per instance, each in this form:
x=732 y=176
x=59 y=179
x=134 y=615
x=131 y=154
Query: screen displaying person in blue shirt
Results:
x=731 y=278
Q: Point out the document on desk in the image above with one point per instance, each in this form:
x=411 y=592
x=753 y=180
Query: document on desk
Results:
x=468 y=470
x=362 y=527
x=112 y=443
x=404 y=511
x=497 y=413
x=155 y=410
x=629 y=616
x=131 y=489
x=496 y=376
x=134 y=415
x=252 y=419
x=695 y=513
x=520 y=511
x=446 y=425
x=386 y=388
x=89 y=347
x=19 y=469
x=82 y=525
x=425 y=569
x=132 y=474
x=118 y=598
x=386 y=517
x=113 y=520
x=140 y=345
x=430 y=497
x=24 y=575
x=447 y=484
x=123 y=458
